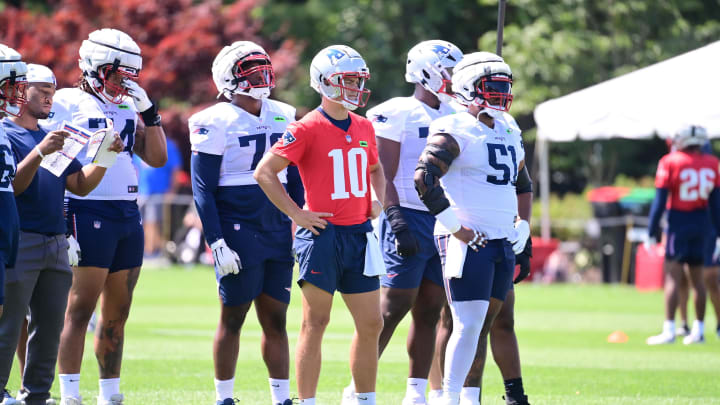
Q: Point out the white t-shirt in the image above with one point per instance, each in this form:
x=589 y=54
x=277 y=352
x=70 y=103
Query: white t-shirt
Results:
x=407 y=120
x=87 y=111
x=240 y=137
x=480 y=182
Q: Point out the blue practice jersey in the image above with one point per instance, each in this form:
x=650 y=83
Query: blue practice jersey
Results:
x=9 y=221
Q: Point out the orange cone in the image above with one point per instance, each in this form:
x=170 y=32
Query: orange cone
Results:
x=617 y=337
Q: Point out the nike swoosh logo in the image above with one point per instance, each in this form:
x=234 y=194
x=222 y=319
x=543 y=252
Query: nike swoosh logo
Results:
x=393 y=275
x=362 y=398
x=315 y=272
x=276 y=385
x=289 y=289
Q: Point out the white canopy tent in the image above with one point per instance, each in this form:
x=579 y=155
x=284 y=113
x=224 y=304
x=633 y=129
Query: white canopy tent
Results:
x=657 y=99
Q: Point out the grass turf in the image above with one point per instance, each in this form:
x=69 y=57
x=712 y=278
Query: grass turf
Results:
x=562 y=331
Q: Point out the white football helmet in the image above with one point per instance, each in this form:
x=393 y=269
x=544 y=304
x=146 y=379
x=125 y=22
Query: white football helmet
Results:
x=430 y=64
x=13 y=81
x=231 y=77
x=330 y=69
x=690 y=135
x=483 y=79
x=107 y=51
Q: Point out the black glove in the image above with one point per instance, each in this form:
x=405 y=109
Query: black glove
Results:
x=523 y=259
x=405 y=242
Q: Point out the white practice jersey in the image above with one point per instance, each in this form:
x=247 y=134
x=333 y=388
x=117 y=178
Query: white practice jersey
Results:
x=239 y=137
x=7 y=163
x=407 y=120
x=480 y=182
x=87 y=111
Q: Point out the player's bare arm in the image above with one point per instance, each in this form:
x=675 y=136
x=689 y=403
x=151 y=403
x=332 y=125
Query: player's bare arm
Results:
x=84 y=181
x=377 y=180
x=434 y=163
x=151 y=145
x=389 y=155
x=26 y=169
x=266 y=174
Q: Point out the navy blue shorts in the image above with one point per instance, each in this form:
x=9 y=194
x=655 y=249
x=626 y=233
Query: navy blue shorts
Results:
x=115 y=244
x=486 y=273
x=409 y=272
x=267 y=265
x=709 y=249
x=335 y=259
x=687 y=232
x=2 y=279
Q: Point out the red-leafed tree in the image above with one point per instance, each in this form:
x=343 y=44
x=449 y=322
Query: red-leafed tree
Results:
x=178 y=38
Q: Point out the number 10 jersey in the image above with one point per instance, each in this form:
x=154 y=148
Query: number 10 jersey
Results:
x=480 y=183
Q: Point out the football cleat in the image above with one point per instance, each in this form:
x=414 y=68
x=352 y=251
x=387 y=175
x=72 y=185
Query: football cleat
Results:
x=414 y=401
x=8 y=399
x=348 y=397
x=682 y=331
x=661 y=339
x=693 y=338
x=228 y=401
x=115 y=399
x=516 y=401
x=71 y=401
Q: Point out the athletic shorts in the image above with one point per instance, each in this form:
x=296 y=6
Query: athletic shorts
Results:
x=115 y=244
x=335 y=259
x=267 y=265
x=408 y=272
x=486 y=273
x=709 y=249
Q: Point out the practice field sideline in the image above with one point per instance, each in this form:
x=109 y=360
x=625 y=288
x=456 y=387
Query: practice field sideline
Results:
x=562 y=331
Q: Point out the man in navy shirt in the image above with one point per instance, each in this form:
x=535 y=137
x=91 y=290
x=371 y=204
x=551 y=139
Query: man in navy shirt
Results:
x=41 y=277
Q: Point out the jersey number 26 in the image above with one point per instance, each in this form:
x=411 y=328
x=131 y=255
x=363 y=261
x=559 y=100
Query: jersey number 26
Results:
x=696 y=184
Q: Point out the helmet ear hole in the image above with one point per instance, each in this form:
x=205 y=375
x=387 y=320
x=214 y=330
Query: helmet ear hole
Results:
x=426 y=74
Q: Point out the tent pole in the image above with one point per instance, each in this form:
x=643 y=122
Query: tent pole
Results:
x=544 y=153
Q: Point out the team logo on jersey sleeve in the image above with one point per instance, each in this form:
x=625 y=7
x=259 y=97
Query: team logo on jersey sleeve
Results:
x=379 y=118
x=288 y=138
x=201 y=131
x=52 y=114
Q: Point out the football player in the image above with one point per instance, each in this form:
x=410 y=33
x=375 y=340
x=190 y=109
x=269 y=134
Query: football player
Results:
x=13 y=86
x=250 y=238
x=414 y=276
x=41 y=277
x=469 y=156
x=106 y=222
x=690 y=179
x=336 y=155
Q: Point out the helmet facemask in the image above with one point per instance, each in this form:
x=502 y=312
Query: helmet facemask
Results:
x=494 y=94
x=254 y=76
x=13 y=94
x=349 y=89
x=103 y=85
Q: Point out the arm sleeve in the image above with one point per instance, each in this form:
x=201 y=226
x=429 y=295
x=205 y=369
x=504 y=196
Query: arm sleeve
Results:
x=205 y=172
x=524 y=182
x=656 y=210
x=295 y=187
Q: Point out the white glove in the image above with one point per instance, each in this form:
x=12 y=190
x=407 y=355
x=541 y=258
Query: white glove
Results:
x=139 y=96
x=522 y=233
x=73 y=251
x=716 y=252
x=649 y=244
x=226 y=260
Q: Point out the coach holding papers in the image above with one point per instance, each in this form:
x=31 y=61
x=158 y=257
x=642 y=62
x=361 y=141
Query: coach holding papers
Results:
x=41 y=277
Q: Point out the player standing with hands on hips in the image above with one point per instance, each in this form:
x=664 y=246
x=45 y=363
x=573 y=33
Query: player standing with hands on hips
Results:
x=336 y=155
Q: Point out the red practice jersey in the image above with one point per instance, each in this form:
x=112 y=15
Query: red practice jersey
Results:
x=334 y=164
x=689 y=178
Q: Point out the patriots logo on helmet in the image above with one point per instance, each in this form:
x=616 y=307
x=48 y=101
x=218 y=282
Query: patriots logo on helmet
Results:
x=201 y=131
x=380 y=118
x=288 y=138
x=440 y=50
x=335 y=55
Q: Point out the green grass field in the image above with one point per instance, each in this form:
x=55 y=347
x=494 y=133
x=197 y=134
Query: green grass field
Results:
x=562 y=331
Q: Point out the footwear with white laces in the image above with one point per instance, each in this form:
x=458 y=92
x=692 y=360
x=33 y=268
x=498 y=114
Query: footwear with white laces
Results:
x=115 y=399
x=70 y=401
x=693 y=338
x=348 y=397
x=661 y=339
x=8 y=399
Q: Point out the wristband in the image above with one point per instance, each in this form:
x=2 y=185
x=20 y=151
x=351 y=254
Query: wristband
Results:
x=150 y=117
x=449 y=220
x=39 y=153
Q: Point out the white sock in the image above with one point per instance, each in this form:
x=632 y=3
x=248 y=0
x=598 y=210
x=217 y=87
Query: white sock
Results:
x=468 y=318
x=279 y=390
x=435 y=394
x=470 y=396
x=699 y=326
x=669 y=327
x=69 y=385
x=224 y=388
x=308 y=401
x=365 y=398
x=416 y=388
x=108 y=388
x=453 y=396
